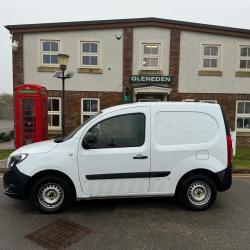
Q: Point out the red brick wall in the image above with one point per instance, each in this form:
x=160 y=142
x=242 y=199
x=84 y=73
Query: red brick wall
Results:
x=243 y=141
x=73 y=104
x=174 y=60
x=17 y=62
x=127 y=57
x=17 y=57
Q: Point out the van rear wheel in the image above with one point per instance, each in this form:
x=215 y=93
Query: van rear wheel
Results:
x=50 y=194
x=197 y=192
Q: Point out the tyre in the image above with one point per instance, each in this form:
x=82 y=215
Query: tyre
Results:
x=197 y=192
x=51 y=194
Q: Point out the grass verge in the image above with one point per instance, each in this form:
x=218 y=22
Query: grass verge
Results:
x=4 y=153
x=242 y=158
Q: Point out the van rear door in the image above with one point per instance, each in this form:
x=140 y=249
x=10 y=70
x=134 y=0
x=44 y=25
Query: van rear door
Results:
x=183 y=137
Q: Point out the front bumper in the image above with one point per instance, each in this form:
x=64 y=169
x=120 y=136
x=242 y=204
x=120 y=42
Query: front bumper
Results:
x=225 y=179
x=15 y=183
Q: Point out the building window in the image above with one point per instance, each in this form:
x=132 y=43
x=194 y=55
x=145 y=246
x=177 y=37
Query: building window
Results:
x=243 y=116
x=151 y=56
x=49 y=52
x=54 y=113
x=244 y=61
x=209 y=101
x=211 y=57
x=89 y=107
x=90 y=54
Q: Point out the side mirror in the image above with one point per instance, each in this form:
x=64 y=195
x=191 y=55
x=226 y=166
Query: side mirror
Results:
x=89 y=140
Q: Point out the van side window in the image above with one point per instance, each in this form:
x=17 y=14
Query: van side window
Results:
x=120 y=131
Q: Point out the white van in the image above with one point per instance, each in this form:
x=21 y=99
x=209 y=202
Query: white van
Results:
x=140 y=149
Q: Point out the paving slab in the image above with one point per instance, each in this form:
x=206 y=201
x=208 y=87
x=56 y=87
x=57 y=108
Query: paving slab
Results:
x=7 y=145
x=3 y=165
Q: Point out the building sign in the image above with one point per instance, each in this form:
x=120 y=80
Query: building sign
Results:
x=154 y=79
x=28 y=91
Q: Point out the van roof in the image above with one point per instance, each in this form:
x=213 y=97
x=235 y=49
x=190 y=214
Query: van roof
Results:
x=191 y=105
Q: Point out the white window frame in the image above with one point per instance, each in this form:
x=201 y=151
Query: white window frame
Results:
x=241 y=116
x=242 y=57
x=209 y=101
x=151 y=56
x=56 y=113
x=218 y=57
x=87 y=112
x=48 y=52
x=98 y=54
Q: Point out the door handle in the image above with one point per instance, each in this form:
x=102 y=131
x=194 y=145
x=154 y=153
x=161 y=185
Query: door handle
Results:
x=140 y=157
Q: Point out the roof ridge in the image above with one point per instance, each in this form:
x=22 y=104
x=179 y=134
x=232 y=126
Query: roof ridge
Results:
x=128 y=22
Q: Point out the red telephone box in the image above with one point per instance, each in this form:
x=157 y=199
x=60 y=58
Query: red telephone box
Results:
x=31 y=113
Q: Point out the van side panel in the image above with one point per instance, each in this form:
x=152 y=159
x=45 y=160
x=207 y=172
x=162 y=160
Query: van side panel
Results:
x=184 y=138
x=184 y=128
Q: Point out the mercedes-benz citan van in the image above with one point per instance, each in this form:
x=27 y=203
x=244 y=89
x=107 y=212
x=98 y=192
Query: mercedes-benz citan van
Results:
x=131 y=150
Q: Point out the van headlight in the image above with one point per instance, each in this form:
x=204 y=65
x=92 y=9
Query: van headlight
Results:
x=15 y=159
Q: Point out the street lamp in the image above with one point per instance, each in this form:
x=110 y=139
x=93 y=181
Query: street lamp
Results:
x=63 y=62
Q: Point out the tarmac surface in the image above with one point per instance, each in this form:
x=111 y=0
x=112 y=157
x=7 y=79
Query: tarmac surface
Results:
x=148 y=223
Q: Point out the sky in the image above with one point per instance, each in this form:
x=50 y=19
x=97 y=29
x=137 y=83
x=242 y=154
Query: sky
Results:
x=218 y=12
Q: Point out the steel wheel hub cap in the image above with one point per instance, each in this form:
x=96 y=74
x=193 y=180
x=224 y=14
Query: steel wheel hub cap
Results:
x=51 y=195
x=199 y=193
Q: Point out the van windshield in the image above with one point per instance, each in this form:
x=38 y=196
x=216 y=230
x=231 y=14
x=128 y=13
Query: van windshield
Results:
x=73 y=132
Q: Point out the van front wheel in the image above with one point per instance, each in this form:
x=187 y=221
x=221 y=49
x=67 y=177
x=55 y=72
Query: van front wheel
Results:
x=197 y=192
x=50 y=194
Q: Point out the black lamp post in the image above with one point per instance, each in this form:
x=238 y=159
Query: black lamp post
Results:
x=63 y=62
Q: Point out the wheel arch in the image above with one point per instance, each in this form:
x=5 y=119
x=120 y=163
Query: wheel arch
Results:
x=206 y=172
x=48 y=172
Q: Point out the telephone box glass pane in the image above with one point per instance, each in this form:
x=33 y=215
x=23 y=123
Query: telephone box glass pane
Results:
x=28 y=121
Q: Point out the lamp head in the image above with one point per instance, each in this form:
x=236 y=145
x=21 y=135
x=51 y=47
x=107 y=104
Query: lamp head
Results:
x=63 y=60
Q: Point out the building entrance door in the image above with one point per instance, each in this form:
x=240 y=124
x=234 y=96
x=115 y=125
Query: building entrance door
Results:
x=150 y=98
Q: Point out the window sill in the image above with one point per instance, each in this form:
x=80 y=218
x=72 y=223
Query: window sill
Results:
x=210 y=73
x=243 y=132
x=48 y=68
x=90 y=70
x=54 y=131
x=150 y=72
x=242 y=73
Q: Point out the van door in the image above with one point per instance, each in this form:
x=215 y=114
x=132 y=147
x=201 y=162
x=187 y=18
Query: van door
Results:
x=119 y=162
